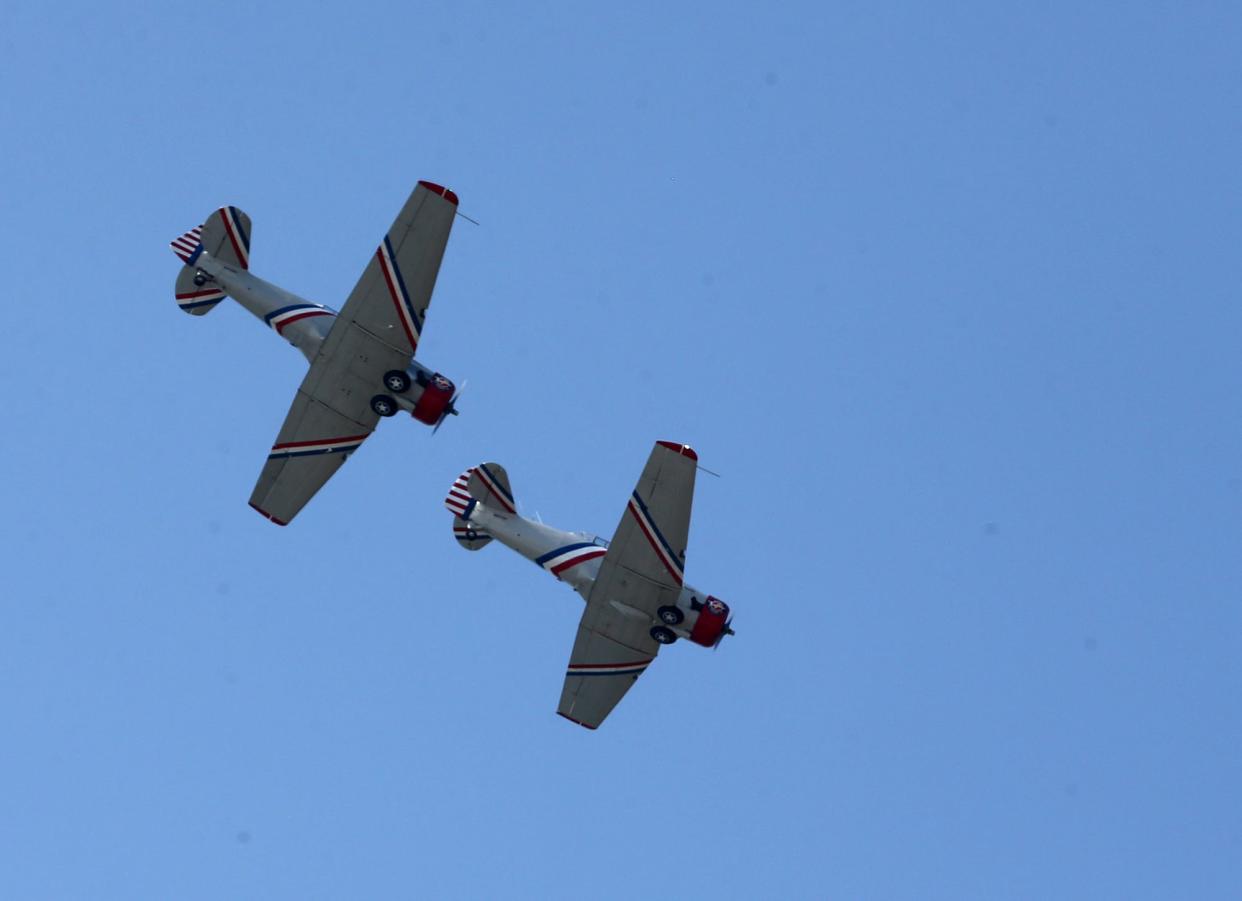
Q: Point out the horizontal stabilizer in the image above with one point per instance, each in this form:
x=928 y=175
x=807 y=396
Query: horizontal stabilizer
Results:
x=195 y=295
x=469 y=536
x=487 y=483
x=226 y=236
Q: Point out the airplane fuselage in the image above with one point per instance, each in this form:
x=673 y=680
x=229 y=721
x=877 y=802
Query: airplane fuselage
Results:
x=303 y=324
x=572 y=557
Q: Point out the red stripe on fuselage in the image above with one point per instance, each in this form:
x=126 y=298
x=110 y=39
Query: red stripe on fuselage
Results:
x=591 y=555
x=293 y=319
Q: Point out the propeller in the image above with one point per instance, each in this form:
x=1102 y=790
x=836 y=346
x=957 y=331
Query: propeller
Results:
x=727 y=630
x=450 y=409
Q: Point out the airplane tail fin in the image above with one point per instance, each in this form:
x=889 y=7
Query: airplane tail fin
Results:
x=226 y=237
x=486 y=484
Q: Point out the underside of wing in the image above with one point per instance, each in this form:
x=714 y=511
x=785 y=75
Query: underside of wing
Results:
x=647 y=555
x=313 y=443
x=376 y=332
x=390 y=300
x=602 y=668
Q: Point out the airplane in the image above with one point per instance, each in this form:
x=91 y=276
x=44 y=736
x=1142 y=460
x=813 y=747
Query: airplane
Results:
x=634 y=587
x=362 y=365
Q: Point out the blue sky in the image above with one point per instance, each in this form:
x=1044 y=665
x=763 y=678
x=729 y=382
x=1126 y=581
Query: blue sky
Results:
x=948 y=298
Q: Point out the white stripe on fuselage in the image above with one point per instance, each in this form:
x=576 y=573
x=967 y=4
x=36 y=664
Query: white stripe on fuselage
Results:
x=262 y=298
x=533 y=540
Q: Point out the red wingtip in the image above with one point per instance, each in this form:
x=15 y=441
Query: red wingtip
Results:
x=441 y=190
x=684 y=449
x=572 y=720
x=266 y=515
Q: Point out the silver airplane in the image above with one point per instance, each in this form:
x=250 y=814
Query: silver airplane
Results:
x=635 y=592
x=362 y=365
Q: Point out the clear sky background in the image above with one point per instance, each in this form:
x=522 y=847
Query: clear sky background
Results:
x=949 y=298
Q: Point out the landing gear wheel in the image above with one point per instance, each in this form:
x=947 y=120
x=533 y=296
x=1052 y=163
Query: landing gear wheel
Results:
x=663 y=635
x=671 y=615
x=383 y=405
x=396 y=381
x=199 y=279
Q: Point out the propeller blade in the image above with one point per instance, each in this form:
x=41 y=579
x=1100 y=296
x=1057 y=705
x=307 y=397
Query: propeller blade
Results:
x=727 y=630
x=450 y=408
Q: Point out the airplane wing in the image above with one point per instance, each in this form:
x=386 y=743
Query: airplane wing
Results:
x=377 y=330
x=649 y=546
x=313 y=443
x=641 y=572
x=390 y=301
x=602 y=668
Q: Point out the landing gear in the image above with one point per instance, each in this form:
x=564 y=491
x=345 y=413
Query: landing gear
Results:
x=396 y=381
x=383 y=405
x=671 y=615
x=201 y=278
x=663 y=635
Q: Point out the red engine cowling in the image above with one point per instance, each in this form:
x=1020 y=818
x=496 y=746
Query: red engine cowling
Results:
x=437 y=394
x=711 y=624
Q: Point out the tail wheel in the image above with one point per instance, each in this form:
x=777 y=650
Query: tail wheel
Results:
x=670 y=615
x=396 y=381
x=663 y=635
x=383 y=405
